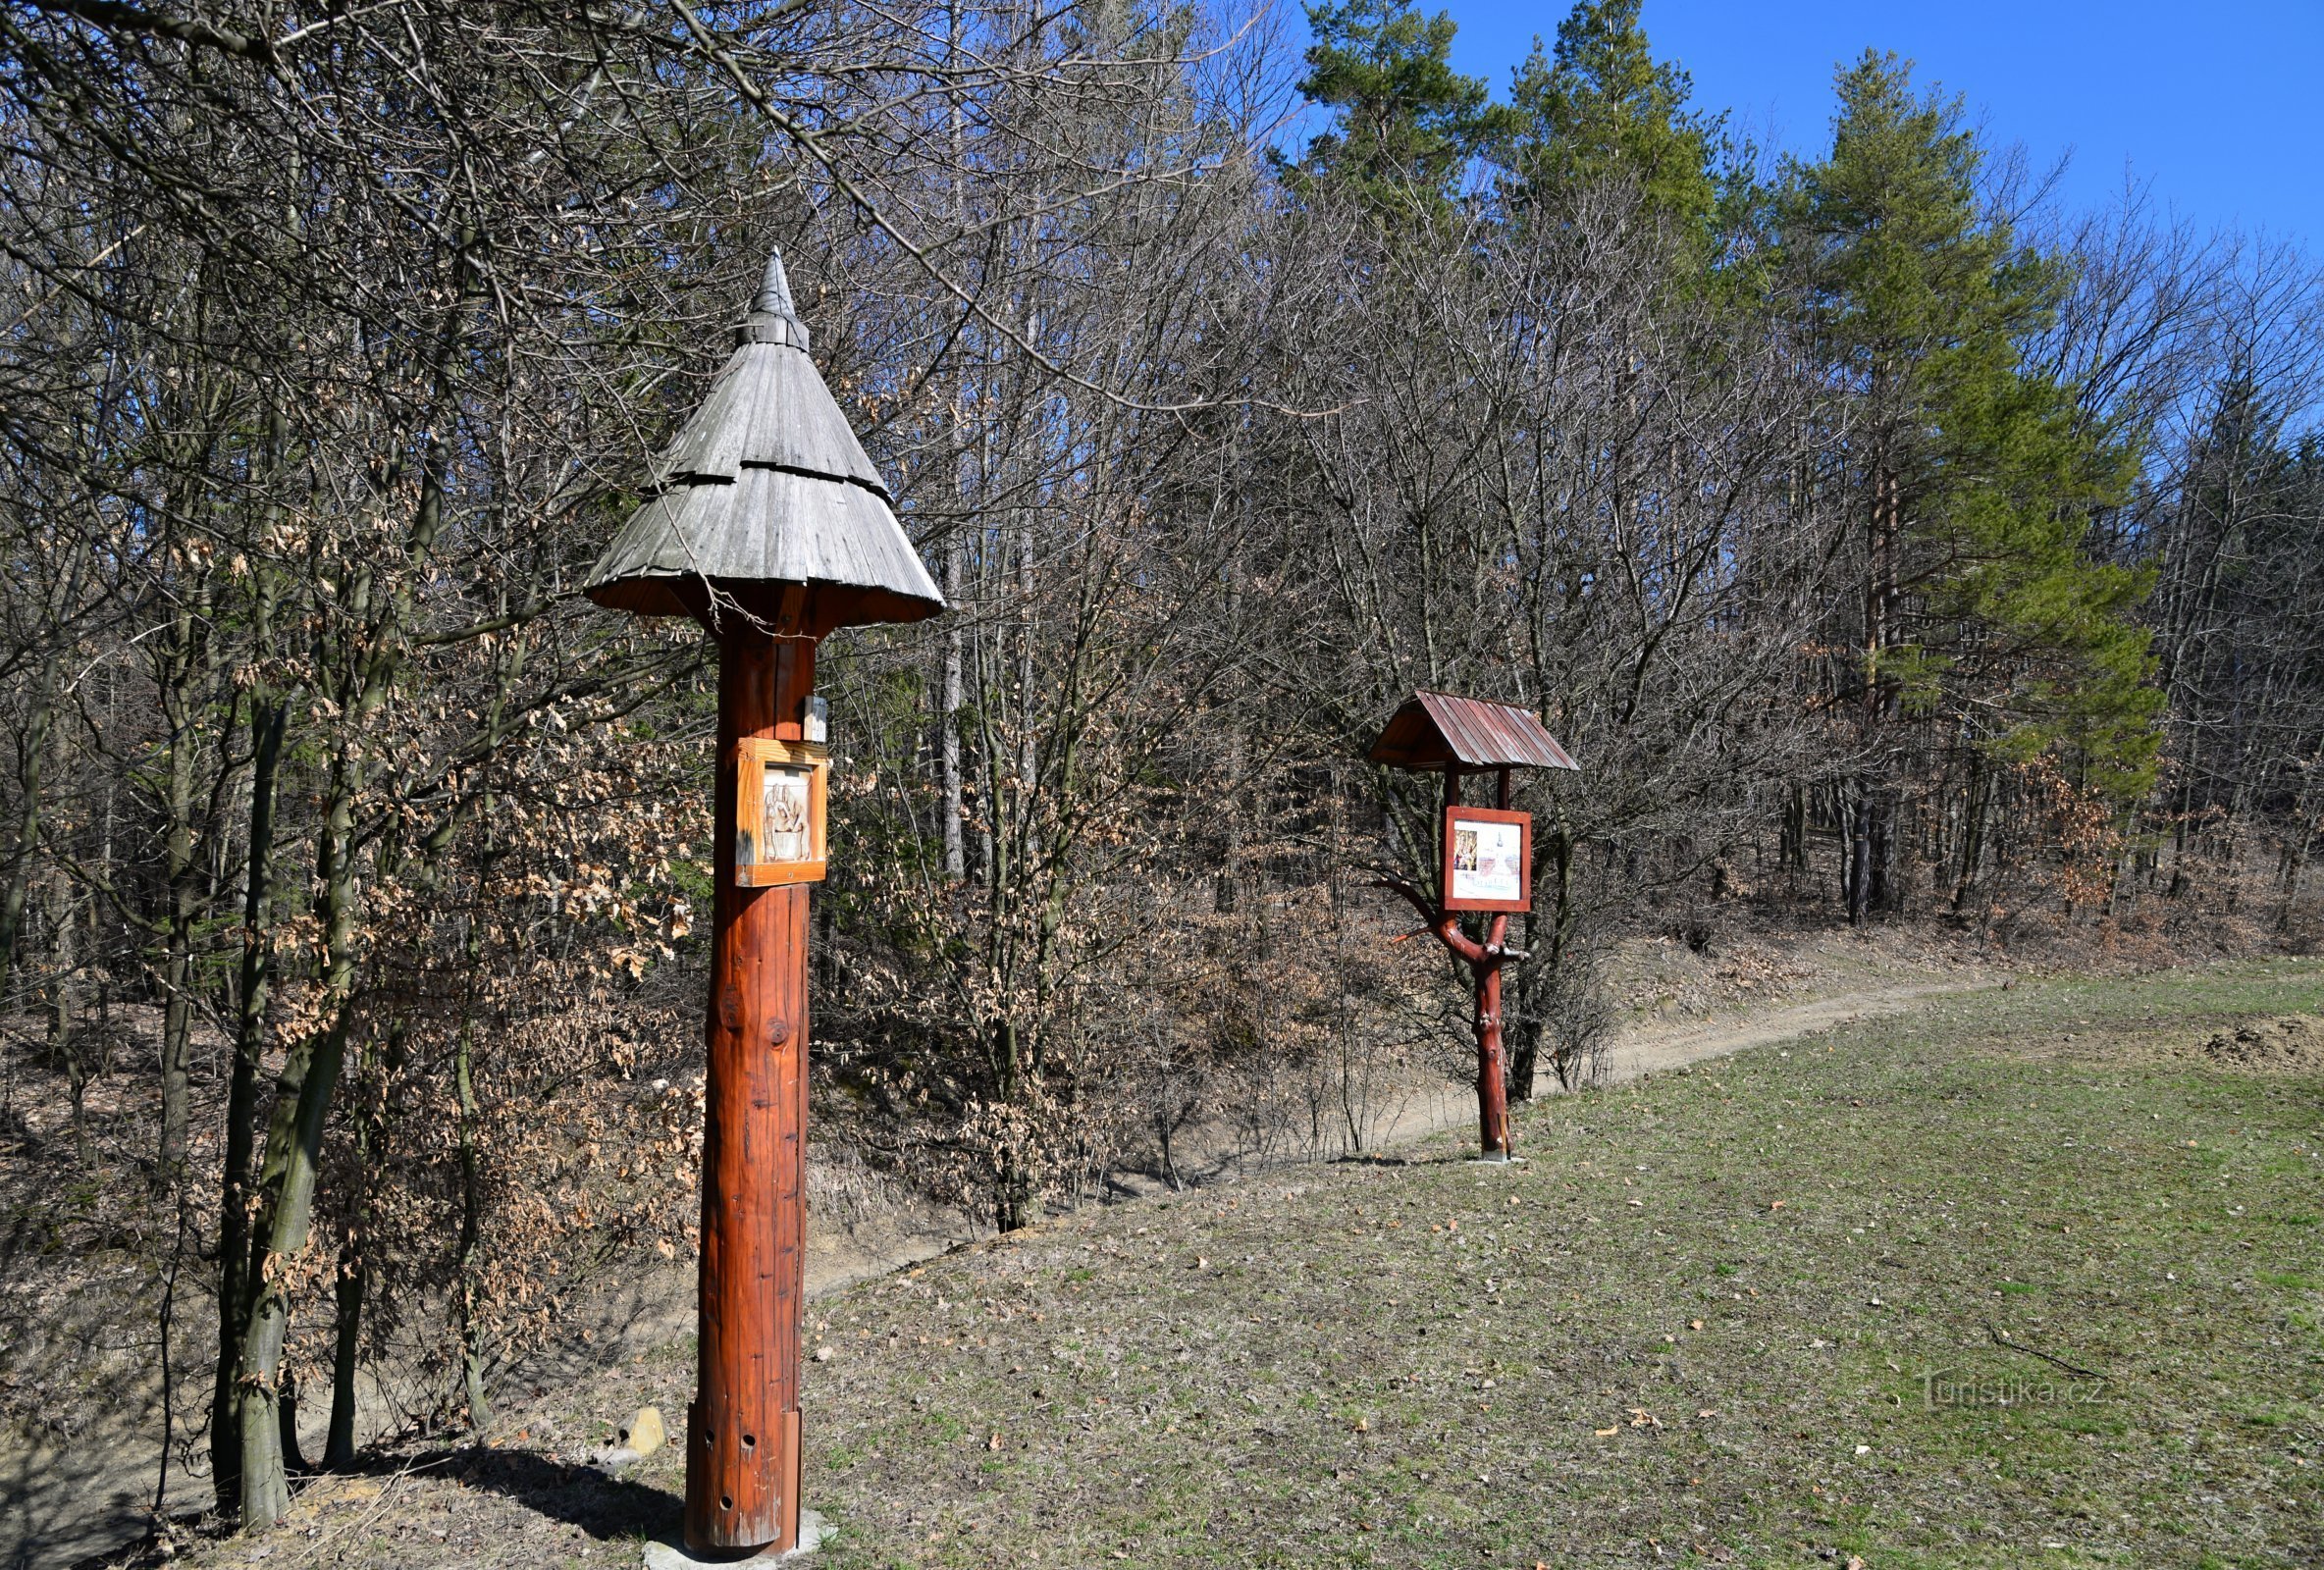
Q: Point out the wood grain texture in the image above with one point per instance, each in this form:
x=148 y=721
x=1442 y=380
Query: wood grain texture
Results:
x=1493 y=1092
x=742 y=1451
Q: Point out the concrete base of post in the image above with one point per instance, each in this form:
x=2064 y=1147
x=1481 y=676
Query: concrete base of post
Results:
x=671 y=1552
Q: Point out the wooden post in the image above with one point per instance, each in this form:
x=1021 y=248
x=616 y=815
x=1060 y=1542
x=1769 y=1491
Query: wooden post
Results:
x=1493 y=1092
x=1493 y=1089
x=742 y=1430
x=728 y=555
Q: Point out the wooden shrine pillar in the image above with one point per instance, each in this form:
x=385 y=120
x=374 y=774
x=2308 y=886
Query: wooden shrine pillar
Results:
x=766 y=523
x=1485 y=858
x=742 y=1433
x=1493 y=1085
x=1492 y=1091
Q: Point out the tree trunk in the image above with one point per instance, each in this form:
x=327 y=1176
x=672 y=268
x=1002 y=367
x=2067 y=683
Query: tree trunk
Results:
x=1522 y=1036
x=1883 y=890
x=351 y=1290
x=310 y=1075
x=310 y=1082
x=32 y=747
x=241 y=1109
x=480 y=1410
x=1860 y=844
x=268 y=1403
x=956 y=856
x=347 y=1283
x=176 y=1027
x=948 y=760
x=63 y=1041
x=1552 y=964
x=338 y=1444
x=1973 y=834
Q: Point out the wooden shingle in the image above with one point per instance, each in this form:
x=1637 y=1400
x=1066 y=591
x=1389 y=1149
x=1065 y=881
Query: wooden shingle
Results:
x=767 y=484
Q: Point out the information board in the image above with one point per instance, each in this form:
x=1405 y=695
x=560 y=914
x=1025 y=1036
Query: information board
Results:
x=1487 y=861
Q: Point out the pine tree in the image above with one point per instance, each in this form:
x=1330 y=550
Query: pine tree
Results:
x=1973 y=478
x=1602 y=108
x=1406 y=124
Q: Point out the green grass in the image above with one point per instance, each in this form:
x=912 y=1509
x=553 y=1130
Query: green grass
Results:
x=1415 y=1362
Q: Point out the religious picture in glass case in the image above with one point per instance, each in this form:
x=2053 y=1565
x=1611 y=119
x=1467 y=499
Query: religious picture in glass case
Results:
x=780 y=788
x=1485 y=851
x=1486 y=859
x=786 y=829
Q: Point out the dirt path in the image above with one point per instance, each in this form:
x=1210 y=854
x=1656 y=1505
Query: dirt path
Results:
x=1655 y=1046
x=1655 y=1050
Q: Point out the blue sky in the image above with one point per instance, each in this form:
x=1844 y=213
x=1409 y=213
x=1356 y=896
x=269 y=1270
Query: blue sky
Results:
x=2220 y=106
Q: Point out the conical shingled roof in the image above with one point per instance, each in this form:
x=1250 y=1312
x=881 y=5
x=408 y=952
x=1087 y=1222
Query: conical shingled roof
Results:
x=767 y=484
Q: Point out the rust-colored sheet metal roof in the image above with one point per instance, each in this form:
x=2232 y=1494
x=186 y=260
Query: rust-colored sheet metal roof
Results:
x=1433 y=729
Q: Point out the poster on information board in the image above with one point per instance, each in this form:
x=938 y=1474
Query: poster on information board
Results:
x=1488 y=860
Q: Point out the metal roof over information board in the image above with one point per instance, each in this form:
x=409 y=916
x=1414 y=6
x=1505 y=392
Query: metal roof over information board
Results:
x=767 y=484
x=1433 y=729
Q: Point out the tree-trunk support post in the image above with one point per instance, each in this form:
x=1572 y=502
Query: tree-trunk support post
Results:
x=1493 y=1085
x=1493 y=1090
x=1484 y=960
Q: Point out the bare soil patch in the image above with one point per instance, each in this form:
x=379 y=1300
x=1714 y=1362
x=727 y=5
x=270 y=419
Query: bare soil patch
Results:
x=2292 y=1043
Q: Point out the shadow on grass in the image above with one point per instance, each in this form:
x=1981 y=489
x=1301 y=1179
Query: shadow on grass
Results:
x=602 y=1505
x=1384 y=1157
x=606 y=1507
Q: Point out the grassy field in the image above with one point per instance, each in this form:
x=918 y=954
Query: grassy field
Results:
x=2019 y=1279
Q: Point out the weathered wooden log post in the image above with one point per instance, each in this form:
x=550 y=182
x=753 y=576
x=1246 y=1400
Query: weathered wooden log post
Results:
x=1485 y=856
x=766 y=523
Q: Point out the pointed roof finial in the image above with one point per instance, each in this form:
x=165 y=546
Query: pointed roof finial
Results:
x=774 y=289
x=773 y=319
